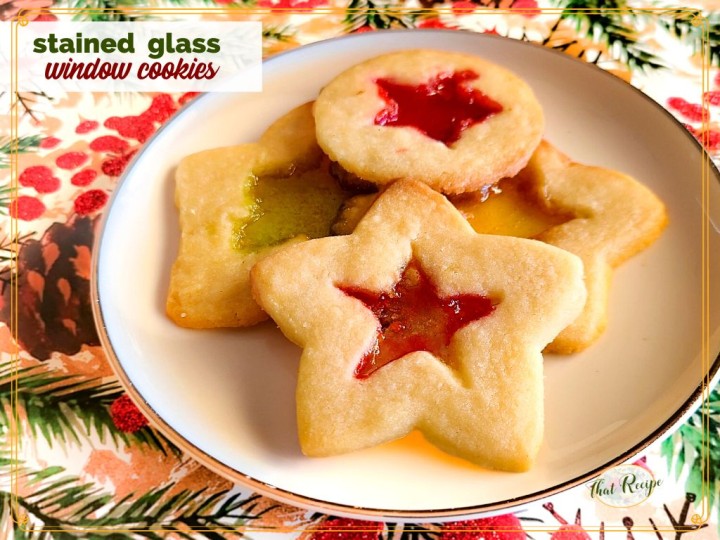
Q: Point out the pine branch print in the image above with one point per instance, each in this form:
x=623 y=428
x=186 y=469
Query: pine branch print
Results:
x=377 y=15
x=27 y=102
x=66 y=409
x=681 y=27
x=6 y=197
x=21 y=145
x=685 y=450
x=63 y=506
x=277 y=33
x=107 y=10
x=610 y=23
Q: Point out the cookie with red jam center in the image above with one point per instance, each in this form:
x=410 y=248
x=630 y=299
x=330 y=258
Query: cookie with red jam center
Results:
x=414 y=321
x=453 y=121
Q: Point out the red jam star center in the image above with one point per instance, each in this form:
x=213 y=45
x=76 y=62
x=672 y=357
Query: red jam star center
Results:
x=414 y=317
x=441 y=109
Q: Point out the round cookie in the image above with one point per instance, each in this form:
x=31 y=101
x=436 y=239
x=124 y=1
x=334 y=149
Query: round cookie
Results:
x=453 y=121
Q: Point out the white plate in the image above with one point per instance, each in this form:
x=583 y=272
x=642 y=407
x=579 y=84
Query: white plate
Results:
x=227 y=397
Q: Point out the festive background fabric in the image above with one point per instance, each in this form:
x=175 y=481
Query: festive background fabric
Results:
x=84 y=444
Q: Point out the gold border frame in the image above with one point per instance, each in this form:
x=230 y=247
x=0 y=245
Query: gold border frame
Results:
x=696 y=18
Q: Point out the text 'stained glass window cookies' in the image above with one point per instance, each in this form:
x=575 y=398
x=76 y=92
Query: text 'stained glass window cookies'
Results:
x=413 y=233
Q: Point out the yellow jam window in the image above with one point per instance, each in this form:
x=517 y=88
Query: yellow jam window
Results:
x=285 y=207
x=508 y=209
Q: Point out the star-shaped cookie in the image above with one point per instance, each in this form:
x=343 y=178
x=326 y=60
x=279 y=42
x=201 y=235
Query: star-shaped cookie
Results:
x=601 y=215
x=225 y=229
x=613 y=217
x=342 y=299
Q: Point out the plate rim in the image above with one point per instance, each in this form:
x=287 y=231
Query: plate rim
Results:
x=340 y=509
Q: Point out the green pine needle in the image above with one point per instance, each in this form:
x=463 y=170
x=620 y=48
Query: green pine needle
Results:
x=6 y=196
x=65 y=409
x=689 y=447
x=121 y=10
x=278 y=33
x=376 y=14
x=681 y=27
x=64 y=506
x=21 y=145
x=601 y=21
x=106 y=10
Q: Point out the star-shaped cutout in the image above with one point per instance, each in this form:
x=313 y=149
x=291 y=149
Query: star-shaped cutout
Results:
x=413 y=317
x=600 y=215
x=486 y=403
x=441 y=109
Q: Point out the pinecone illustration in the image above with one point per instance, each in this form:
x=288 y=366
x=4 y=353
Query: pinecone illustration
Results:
x=53 y=280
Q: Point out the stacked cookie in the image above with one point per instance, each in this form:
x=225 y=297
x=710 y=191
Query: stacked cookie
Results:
x=355 y=223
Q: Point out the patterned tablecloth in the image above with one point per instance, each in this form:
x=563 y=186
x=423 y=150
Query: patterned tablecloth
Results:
x=85 y=446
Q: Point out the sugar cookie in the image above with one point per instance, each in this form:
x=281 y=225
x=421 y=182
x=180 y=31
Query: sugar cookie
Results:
x=236 y=205
x=376 y=364
x=451 y=120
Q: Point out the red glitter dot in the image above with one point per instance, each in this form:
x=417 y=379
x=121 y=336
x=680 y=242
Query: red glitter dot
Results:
x=90 y=201
x=187 y=96
x=31 y=175
x=463 y=7
x=711 y=139
x=86 y=126
x=109 y=143
x=71 y=160
x=26 y=208
x=691 y=111
x=84 y=177
x=47 y=185
x=46 y=17
x=49 y=142
x=713 y=97
x=126 y=416
x=433 y=22
x=504 y=527
x=113 y=122
x=717 y=79
x=347 y=529
x=528 y=8
x=132 y=127
x=676 y=103
x=39 y=177
x=295 y=5
x=114 y=166
x=161 y=108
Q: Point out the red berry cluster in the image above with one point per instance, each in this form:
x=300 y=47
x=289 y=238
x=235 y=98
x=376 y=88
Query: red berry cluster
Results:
x=504 y=527
x=26 y=208
x=694 y=112
x=140 y=127
x=347 y=529
x=126 y=416
x=40 y=178
x=118 y=149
